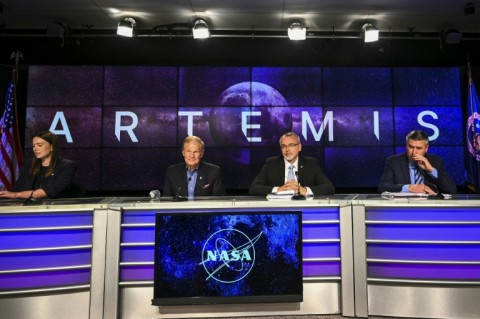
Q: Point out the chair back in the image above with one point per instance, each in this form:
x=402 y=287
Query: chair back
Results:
x=76 y=190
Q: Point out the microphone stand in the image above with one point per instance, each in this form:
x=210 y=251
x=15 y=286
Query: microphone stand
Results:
x=434 y=187
x=298 y=196
x=177 y=197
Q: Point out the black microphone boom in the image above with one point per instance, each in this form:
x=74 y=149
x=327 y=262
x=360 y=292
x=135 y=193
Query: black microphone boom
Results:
x=298 y=196
x=178 y=197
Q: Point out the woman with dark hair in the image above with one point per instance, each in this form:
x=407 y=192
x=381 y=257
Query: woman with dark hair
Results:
x=47 y=175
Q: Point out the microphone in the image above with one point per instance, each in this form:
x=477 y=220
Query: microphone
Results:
x=178 y=197
x=434 y=187
x=155 y=194
x=298 y=196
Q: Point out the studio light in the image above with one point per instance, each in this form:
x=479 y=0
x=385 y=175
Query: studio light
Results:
x=200 y=29
x=297 y=32
x=125 y=27
x=370 y=32
x=56 y=30
x=453 y=37
x=469 y=9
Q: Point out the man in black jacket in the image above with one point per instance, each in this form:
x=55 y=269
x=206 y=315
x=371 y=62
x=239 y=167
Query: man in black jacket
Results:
x=291 y=172
x=415 y=171
x=193 y=177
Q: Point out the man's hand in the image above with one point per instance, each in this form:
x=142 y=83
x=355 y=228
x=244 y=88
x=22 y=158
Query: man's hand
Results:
x=292 y=185
x=423 y=163
x=420 y=188
x=7 y=194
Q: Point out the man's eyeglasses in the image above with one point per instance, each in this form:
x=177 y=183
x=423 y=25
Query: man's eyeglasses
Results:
x=286 y=147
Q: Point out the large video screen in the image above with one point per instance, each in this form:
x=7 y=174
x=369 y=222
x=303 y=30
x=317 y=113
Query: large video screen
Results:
x=124 y=124
x=212 y=258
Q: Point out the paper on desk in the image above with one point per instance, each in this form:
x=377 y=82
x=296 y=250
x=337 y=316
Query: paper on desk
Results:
x=289 y=192
x=401 y=195
x=285 y=195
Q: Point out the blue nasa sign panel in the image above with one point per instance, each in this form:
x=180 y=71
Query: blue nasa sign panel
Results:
x=228 y=257
x=345 y=117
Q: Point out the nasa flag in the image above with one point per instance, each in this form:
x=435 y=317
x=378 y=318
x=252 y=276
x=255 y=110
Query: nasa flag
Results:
x=473 y=138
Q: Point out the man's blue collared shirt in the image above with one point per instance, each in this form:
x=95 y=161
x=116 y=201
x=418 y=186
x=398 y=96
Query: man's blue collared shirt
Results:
x=191 y=182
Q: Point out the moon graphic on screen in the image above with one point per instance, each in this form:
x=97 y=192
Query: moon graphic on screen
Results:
x=254 y=93
x=226 y=123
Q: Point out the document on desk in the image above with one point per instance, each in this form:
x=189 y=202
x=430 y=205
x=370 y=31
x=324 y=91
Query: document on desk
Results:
x=401 y=195
x=284 y=195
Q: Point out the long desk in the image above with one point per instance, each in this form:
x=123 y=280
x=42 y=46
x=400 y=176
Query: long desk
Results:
x=417 y=258
x=362 y=255
x=52 y=258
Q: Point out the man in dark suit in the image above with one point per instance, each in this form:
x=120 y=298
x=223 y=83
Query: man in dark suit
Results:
x=291 y=172
x=415 y=171
x=193 y=177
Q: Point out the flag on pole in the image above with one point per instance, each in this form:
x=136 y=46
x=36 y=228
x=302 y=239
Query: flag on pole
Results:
x=473 y=137
x=11 y=156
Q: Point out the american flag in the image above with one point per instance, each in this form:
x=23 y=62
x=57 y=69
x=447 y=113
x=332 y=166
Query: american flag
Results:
x=11 y=157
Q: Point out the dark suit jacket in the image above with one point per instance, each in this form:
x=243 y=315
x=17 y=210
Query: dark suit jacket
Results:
x=56 y=186
x=397 y=173
x=273 y=175
x=209 y=181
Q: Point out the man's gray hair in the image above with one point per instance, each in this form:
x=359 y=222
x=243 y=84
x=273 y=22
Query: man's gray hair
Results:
x=193 y=138
x=418 y=135
x=295 y=136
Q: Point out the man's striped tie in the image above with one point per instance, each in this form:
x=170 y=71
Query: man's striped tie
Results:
x=418 y=176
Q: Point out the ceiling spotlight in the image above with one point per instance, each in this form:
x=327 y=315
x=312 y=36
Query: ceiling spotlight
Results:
x=469 y=9
x=297 y=32
x=56 y=30
x=200 y=29
x=125 y=27
x=370 y=32
x=453 y=37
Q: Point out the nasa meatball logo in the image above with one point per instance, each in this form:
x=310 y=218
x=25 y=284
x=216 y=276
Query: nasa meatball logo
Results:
x=228 y=255
x=473 y=137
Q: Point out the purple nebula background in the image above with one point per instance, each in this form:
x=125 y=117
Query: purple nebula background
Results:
x=269 y=100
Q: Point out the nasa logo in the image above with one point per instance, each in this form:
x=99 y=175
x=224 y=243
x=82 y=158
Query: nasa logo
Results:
x=228 y=255
x=473 y=135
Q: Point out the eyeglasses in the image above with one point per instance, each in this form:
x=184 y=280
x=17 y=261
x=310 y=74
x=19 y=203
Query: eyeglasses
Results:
x=286 y=147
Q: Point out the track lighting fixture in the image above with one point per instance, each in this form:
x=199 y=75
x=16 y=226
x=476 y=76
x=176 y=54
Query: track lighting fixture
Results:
x=370 y=32
x=200 y=29
x=125 y=27
x=297 y=32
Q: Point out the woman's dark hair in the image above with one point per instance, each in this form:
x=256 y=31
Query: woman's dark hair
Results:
x=52 y=139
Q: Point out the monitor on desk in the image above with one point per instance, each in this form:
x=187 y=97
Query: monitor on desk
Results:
x=228 y=257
